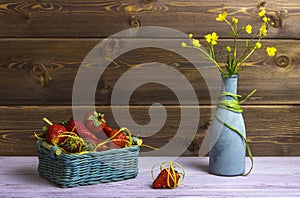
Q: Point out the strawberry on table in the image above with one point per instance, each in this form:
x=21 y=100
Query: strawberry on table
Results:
x=166 y=179
x=95 y=122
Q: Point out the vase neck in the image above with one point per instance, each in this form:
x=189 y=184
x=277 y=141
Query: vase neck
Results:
x=230 y=84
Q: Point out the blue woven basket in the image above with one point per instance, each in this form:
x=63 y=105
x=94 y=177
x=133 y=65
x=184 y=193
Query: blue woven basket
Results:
x=70 y=170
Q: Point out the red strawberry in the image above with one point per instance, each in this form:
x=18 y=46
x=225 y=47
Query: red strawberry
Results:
x=53 y=131
x=52 y=134
x=119 y=138
x=78 y=127
x=165 y=179
x=95 y=122
x=107 y=130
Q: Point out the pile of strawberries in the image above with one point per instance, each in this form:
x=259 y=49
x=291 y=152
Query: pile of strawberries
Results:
x=93 y=134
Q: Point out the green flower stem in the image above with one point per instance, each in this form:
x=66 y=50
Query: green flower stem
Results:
x=243 y=58
x=250 y=53
x=234 y=47
x=212 y=52
x=210 y=58
x=233 y=30
x=249 y=95
x=235 y=33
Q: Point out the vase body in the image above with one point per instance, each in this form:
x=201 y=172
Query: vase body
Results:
x=228 y=150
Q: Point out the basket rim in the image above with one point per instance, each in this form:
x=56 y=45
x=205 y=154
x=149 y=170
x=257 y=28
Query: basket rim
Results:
x=41 y=148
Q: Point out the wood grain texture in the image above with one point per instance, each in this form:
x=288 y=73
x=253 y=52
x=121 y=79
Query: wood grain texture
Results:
x=54 y=37
x=271 y=130
x=271 y=177
x=277 y=79
x=66 y=18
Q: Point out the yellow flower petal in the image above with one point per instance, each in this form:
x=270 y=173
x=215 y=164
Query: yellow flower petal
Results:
x=191 y=35
x=262 y=13
x=271 y=51
x=266 y=19
x=211 y=38
x=196 y=42
x=214 y=36
x=248 y=29
x=183 y=44
x=221 y=17
x=208 y=38
x=263 y=29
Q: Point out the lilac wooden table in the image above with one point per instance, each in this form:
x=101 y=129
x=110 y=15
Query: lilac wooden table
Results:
x=271 y=177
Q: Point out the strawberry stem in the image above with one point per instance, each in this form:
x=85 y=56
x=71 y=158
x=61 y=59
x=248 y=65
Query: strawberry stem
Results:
x=47 y=121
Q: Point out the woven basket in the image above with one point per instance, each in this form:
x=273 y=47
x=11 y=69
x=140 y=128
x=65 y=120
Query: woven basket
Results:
x=70 y=170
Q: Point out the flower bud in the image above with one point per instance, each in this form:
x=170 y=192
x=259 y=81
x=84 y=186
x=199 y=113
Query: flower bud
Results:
x=258 y=45
x=228 y=49
x=235 y=20
x=196 y=42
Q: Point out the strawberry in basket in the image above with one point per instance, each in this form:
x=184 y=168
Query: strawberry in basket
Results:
x=53 y=131
x=72 y=144
x=118 y=137
x=95 y=122
x=78 y=127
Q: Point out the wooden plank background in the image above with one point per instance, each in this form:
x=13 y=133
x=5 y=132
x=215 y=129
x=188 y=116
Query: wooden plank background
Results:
x=58 y=34
x=66 y=18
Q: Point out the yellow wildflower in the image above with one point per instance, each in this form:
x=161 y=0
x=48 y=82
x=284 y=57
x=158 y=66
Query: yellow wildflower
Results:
x=263 y=29
x=212 y=38
x=262 y=13
x=271 y=51
x=183 y=44
x=266 y=19
x=222 y=16
x=248 y=29
x=196 y=42
x=191 y=35
x=235 y=20
x=258 y=45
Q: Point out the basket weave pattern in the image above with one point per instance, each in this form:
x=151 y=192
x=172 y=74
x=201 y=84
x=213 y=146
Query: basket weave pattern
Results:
x=70 y=170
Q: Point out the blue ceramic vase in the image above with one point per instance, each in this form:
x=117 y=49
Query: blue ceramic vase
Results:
x=228 y=150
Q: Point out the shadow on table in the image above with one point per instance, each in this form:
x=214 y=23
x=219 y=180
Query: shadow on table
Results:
x=200 y=164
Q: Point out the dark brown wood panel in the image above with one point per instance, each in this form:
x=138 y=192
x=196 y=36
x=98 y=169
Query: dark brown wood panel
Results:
x=277 y=79
x=271 y=130
x=66 y=18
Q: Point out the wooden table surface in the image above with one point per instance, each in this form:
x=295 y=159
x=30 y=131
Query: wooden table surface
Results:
x=271 y=177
